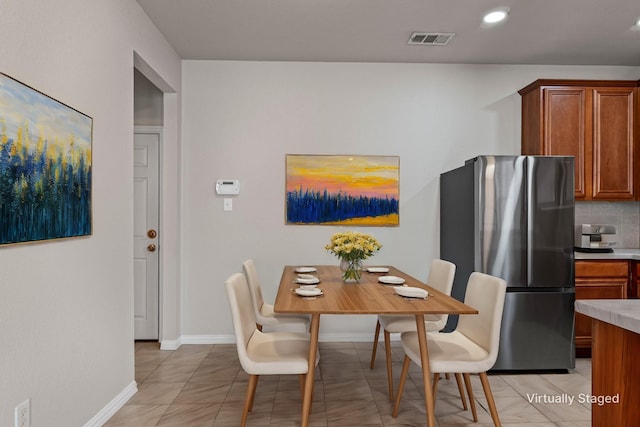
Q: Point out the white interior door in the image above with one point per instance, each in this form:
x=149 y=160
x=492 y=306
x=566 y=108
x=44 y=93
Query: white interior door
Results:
x=146 y=160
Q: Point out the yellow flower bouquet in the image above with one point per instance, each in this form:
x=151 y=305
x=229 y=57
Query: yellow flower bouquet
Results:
x=352 y=248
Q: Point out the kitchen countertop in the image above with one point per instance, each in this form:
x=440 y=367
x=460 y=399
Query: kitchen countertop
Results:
x=623 y=313
x=618 y=253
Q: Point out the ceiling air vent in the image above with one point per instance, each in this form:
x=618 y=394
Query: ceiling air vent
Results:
x=430 y=39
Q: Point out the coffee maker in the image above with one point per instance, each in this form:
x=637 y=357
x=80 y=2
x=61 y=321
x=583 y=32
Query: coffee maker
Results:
x=595 y=238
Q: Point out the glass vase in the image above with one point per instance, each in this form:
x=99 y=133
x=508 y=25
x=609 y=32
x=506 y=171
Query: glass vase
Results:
x=351 y=270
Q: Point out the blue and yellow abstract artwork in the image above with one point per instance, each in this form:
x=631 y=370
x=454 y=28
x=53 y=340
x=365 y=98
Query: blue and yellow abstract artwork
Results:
x=45 y=166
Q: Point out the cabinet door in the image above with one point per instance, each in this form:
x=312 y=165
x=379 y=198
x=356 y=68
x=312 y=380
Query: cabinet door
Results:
x=602 y=268
x=613 y=143
x=601 y=279
x=595 y=288
x=567 y=131
x=634 y=289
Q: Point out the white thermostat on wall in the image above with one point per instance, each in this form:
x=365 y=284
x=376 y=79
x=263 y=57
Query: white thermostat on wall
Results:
x=227 y=186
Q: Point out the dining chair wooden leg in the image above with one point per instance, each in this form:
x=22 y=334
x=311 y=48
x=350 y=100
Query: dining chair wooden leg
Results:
x=472 y=400
x=387 y=352
x=248 y=401
x=461 y=391
x=375 y=345
x=403 y=379
x=253 y=384
x=436 y=380
x=301 y=379
x=489 y=395
x=447 y=376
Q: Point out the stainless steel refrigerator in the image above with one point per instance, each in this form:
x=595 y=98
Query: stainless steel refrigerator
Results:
x=513 y=217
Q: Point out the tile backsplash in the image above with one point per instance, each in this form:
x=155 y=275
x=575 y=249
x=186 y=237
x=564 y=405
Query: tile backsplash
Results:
x=624 y=215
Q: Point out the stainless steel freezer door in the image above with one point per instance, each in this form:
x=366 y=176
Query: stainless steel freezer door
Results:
x=551 y=217
x=537 y=331
x=501 y=218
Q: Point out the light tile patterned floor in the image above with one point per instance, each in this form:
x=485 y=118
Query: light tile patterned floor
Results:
x=204 y=385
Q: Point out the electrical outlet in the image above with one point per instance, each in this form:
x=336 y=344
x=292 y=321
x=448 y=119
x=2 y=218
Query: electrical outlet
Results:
x=23 y=414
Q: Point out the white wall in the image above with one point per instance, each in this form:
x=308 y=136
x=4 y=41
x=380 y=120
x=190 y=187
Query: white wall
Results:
x=241 y=118
x=66 y=307
x=148 y=102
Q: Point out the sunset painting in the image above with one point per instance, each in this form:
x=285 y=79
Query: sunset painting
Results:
x=45 y=166
x=342 y=190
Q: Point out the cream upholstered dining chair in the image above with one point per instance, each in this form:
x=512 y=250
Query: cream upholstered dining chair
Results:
x=265 y=316
x=263 y=353
x=471 y=348
x=441 y=276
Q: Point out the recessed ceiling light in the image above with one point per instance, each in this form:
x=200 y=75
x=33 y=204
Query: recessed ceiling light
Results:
x=495 y=16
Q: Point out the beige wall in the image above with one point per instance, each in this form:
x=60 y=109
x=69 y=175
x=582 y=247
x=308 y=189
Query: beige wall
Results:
x=241 y=118
x=66 y=322
x=148 y=107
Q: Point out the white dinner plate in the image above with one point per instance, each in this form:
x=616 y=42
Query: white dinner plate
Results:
x=391 y=280
x=305 y=269
x=377 y=269
x=306 y=276
x=311 y=281
x=410 y=292
x=308 y=292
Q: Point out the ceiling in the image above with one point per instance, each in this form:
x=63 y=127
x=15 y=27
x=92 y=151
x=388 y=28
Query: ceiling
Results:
x=543 y=32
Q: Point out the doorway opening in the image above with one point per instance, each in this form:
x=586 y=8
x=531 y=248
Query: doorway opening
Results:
x=156 y=207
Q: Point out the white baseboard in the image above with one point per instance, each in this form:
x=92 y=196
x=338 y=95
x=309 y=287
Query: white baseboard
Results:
x=209 y=339
x=351 y=337
x=114 y=406
x=170 y=344
x=231 y=339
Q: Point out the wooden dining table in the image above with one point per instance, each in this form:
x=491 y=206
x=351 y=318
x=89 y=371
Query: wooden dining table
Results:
x=369 y=296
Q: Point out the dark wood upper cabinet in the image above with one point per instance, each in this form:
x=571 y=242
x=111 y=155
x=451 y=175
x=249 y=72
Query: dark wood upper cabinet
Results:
x=594 y=121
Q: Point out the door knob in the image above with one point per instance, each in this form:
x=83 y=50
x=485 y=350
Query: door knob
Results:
x=152 y=234
x=151 y=248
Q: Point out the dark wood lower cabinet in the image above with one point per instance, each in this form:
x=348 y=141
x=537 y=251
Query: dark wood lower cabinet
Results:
x=597 y=279
x=634 y=289
x=615 y=376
